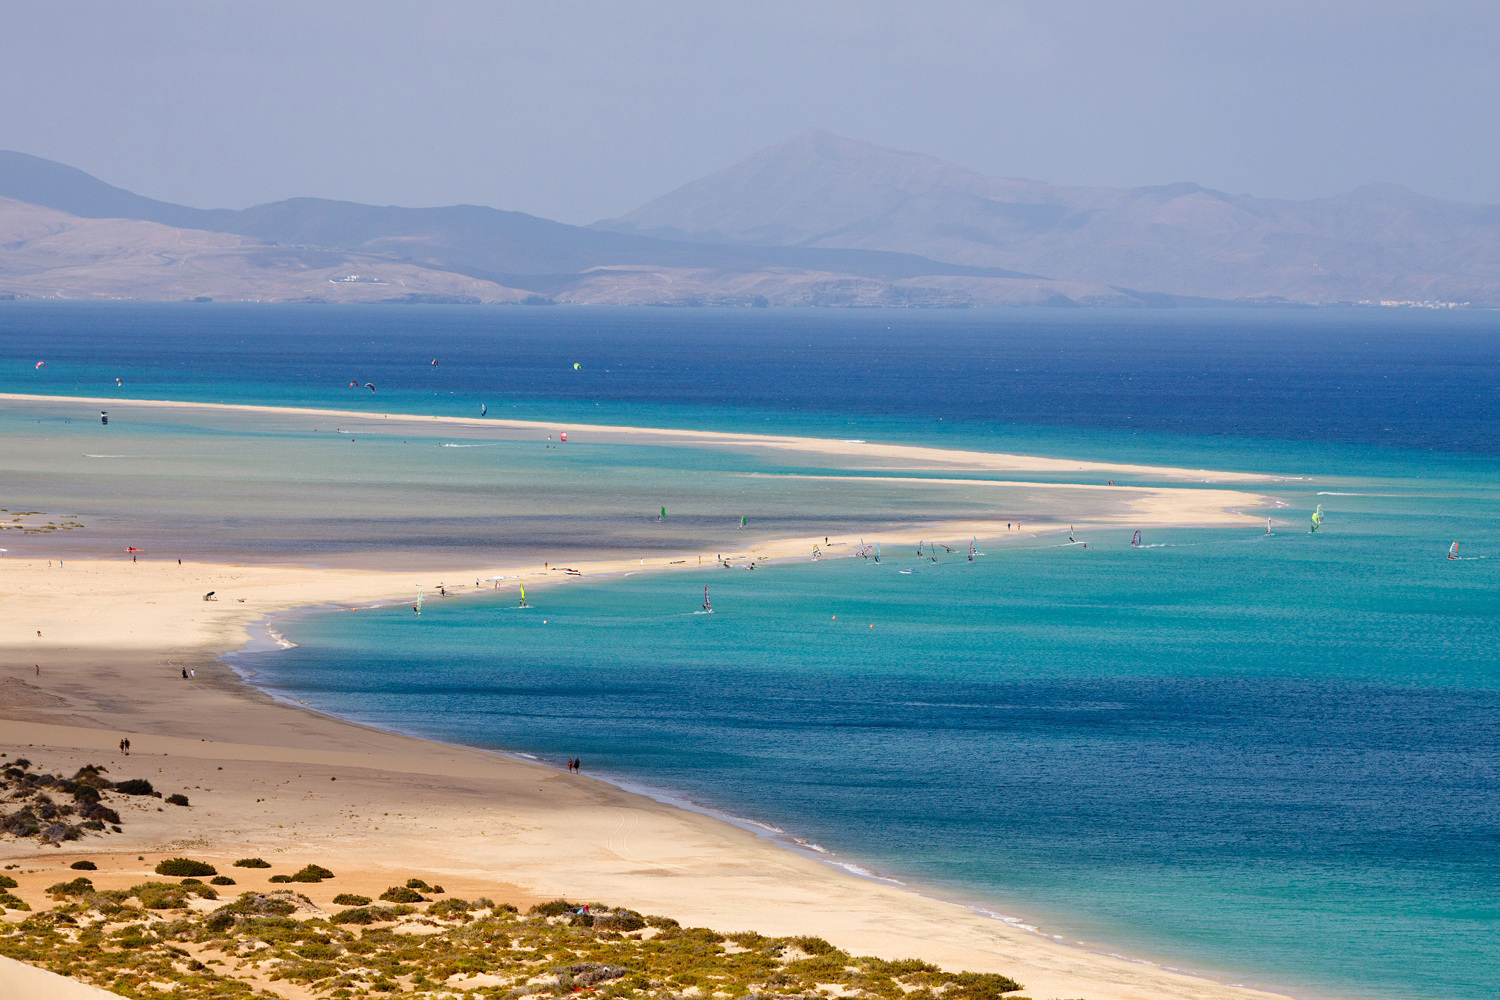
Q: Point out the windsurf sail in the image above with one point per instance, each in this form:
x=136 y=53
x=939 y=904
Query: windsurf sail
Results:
x=973 y=548
x=1317 y=519
x=1268 y=525
x=743 y=520
x=1136 y=538
x=877 y=552
x=523 y=596
x=709 y=608
x=919 y=547
x=484 y=408
x=1453 y=551
x=418 y=606
x=663 y=515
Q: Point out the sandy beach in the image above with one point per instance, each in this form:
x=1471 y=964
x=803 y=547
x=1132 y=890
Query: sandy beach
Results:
x=94 y=651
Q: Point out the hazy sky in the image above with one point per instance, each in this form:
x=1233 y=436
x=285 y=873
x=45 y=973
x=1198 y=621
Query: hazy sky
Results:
x=579 y=111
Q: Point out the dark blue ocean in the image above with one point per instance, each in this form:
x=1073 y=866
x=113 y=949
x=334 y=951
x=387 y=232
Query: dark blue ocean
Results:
x=1272 y=759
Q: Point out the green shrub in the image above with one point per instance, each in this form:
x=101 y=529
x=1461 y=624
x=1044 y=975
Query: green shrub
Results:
x=6 y=882
x=251 y=863
x=358 y=915
x=416 y=883
x=84 y=866
x=221 y=880
x=401 y=894
x=177 y=800
x=813 y=945
x=261 y=904
x=92 y=775
x=370 y=914
x=311 y=873
x=350 y=899
x=192 y=881
x=185 y=866
x=9 y=901
x=555 y=908
x=162 y=895
x=279 y=878
x=623 y=921
x=980 y=986
x=80 y=886
x=447 y=908
x=135 y=786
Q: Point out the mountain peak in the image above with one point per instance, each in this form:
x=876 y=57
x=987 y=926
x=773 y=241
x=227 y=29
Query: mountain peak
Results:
x=797 y=192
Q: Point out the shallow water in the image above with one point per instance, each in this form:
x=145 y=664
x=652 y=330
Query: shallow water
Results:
x=1269 y=758
x=203 y=484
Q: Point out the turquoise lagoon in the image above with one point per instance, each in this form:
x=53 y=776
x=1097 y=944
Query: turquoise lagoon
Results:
x=1270 y=759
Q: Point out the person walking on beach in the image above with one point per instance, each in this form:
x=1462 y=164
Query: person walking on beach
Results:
x=184 y=673
x=127 y=746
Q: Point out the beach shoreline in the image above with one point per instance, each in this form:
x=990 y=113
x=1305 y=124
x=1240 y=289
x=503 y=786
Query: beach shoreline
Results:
x=112 y=635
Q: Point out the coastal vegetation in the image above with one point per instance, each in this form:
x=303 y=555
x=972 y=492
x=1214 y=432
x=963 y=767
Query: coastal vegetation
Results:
x=54 y=808
x=185 y=866
x=156 y=940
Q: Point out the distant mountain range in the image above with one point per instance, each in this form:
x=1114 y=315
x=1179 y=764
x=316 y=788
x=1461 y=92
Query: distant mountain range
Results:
x=818 y=220
x=822 y=190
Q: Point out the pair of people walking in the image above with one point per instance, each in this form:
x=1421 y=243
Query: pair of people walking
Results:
x=125 y=746
x=574 y=764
